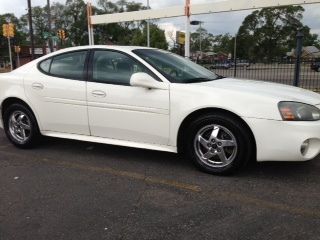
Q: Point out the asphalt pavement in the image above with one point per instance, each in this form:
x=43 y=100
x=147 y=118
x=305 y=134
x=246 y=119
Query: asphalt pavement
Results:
x=66 y=189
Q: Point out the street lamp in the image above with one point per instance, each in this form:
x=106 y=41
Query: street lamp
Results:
x=198 y=23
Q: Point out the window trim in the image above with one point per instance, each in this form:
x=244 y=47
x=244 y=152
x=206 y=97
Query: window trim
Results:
x=84 y=71
x=90 y=66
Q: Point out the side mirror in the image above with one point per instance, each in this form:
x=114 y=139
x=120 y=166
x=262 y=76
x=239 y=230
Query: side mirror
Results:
x=142 y=79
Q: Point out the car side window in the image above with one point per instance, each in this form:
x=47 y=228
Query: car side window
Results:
x=45 y=65
x=69 y=65
x=115 y=68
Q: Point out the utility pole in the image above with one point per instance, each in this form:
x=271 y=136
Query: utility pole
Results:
x=90 y=26
x=148 y=27
x=10 y=54
x=8 y=32
x=31 y=29
x=49 y=26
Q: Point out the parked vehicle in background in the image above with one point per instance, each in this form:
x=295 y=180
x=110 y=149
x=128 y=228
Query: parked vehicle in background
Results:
x=223 y=65
x=315 y=66
x=241 y=63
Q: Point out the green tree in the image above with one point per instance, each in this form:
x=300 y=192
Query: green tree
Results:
x=60 y=20
x=270 y=32
x=202 y=35
x=113 y=32
x=127 y=33
x=107 y=6
x=121 y=4
x=157 y=37
x=77 y=28
x=223 y=43
x=40 y=22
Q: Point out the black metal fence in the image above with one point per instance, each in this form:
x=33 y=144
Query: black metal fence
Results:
x=280 y=72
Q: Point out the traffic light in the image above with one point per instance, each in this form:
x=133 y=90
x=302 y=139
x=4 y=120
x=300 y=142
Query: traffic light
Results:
x=5 y=30
x=8 y=30
x=17 y=49
x=61 y=34
x=11 y=30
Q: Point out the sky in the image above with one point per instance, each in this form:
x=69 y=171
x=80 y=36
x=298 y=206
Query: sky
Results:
x=218 y=23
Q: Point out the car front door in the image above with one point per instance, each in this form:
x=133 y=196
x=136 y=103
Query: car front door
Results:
x=120 y=111
x=57 y=91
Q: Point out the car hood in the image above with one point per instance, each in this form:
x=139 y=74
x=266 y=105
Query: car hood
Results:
x=274 y=90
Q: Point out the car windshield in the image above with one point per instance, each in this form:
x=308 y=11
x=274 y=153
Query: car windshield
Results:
x=176 y=68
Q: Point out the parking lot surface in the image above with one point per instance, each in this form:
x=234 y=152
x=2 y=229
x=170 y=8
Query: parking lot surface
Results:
x=66 y=189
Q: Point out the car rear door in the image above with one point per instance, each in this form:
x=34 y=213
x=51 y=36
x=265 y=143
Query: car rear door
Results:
x=57 y=91
x=120 y=111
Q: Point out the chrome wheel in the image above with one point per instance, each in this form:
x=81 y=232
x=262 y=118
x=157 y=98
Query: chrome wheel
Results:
x=215 y=146
x=19 y=126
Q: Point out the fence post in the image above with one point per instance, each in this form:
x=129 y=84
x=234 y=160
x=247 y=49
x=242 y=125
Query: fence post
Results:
x=235 y=56
x=298 y=58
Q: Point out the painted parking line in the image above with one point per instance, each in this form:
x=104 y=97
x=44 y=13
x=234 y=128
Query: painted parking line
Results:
x=223 y=196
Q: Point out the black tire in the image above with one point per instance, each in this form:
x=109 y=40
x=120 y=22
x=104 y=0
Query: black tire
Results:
x=33 y=133
x=318 y=70
x=244 y=143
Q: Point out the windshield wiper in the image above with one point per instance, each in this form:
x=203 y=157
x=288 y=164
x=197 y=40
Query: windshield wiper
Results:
x=219 y=77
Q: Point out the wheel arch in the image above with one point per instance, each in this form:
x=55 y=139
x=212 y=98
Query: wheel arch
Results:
x=200 y=112
x=12 y=100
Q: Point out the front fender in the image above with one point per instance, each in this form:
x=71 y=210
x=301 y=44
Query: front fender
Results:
x=187 y=99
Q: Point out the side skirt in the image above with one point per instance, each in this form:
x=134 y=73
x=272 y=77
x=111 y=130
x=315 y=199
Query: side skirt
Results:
x=111 y=141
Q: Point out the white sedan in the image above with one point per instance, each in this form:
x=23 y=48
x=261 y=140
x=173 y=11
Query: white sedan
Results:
x=153 y=99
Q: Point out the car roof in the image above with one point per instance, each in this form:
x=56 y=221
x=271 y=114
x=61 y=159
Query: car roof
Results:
x=113 y=47
x=127 y=49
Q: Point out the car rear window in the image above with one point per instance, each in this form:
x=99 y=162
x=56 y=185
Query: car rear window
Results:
x=67 y=65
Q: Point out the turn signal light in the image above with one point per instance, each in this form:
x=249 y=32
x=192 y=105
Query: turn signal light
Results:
x=287 y=114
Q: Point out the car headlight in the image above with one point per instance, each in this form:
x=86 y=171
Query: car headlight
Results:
x=295 y=111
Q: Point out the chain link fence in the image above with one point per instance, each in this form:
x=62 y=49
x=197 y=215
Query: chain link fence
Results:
x=277 y=71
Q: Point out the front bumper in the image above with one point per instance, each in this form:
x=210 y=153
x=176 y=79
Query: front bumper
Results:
x=282 y=140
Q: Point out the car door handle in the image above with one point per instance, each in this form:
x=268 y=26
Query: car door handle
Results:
x=99 y=93
x=37 y=86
